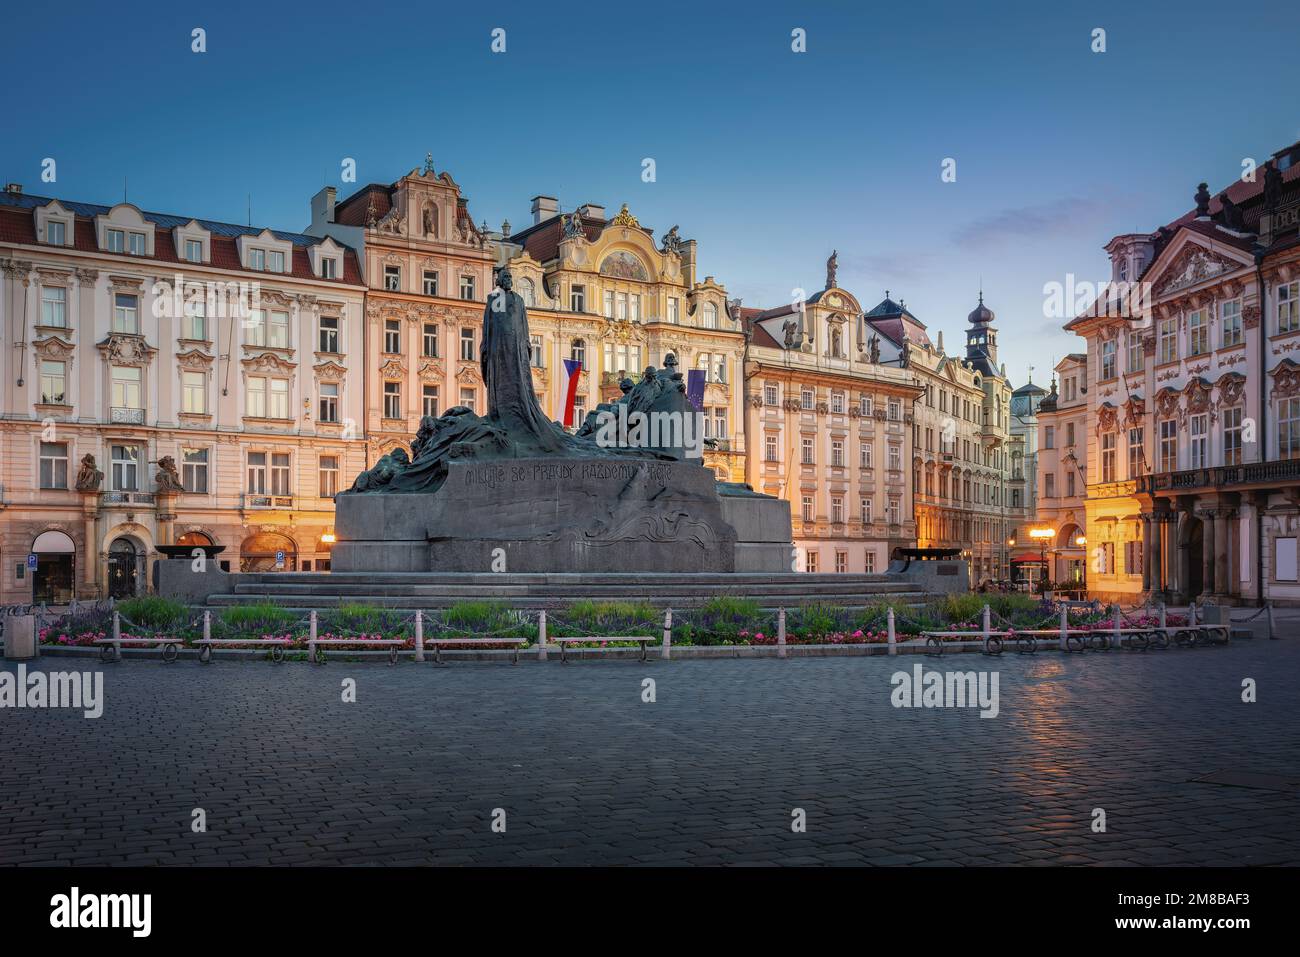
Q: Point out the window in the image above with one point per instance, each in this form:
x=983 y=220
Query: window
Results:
x=116 y=240
x=837 y=403
x=1049 y=436
x=392 y=400
x=469 y=398
x=329 y=476
x=54 y=300
x=893 y=510
x=710 y=316
x=255 y=397
x=1230 y=324
x=1135 y=453
x=674 y=310
x=1232 y=436
x=806 y=399
x=1288 y=307
x=536 y=352
x=578 y=298
x=136 y=244
x=430 y=282
x=770 y=453
x=393 y=336
x=280 y=473
x=870 y=565
x=807 y=508
x=195 y=324
x=866 y=407
x=467 y=287
x=837 y=508
x=806 y=451
x=1199 y=446
x=194 y=250
x=1168 y=340
x=393 y=278
x=54 y=464
x=126 y=313
x=634 y=308
x=194 y=393
x=837 y=453
x=1108 y=359
x=1136 y=358
x=257 y=473
x=608 y=299
x=270 y=330
x=578 y=351
x=329 y=334
x=720 y=422
x=1133 y=558
x=429 y=340
x=1168 y=445
x=54 y=383
x=328 y=267
x=895 y=410
x=1288 y=429
x=1198 y=334
x=864 y=506
x=429 y=400
x=279 y=398
x=125 y=468
x=579 y=408
x=329 y=402
x=770 y=394
x=55 y=232
x=467 y=344
x=194 y=470
x=620 y=306
x=810 y=563
x=1049 y=485
x=895 y=457
x=125 y=387
x=866 y=455
x=278 y=332
x=1069 y=483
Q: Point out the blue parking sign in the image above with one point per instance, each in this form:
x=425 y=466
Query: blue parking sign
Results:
x=279 y=558
x=31 y=560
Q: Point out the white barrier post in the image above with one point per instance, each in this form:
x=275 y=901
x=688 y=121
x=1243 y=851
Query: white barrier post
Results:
x=541 y=635
x=1191 y=613
x=311 y=639
x=893 y=639
x=1162 y=616
x=780 y=633
x=666 y=653
x=207 y=625
x=985 y=627
x=1118 y=617
x=117 y=636
x=1065 y=627
x=1272 y=631
x=419 y=635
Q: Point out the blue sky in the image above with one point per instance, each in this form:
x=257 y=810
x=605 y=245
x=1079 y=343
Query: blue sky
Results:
x=770 y=159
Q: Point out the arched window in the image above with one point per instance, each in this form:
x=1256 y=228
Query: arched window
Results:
x=709 y=318
x=528 y=292
x=578 y=351
x=194 y=538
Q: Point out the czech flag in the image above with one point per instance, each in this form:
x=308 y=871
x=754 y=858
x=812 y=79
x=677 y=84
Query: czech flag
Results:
x=572 y=372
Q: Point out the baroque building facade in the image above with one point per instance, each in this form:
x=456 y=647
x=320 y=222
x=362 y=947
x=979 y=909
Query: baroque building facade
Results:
x=168 y=380
x=1194 y=445
x=1062 y=467
x=602 y=293
x=829 y=428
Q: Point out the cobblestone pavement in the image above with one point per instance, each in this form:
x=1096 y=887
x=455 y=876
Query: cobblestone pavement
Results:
x=708 y=774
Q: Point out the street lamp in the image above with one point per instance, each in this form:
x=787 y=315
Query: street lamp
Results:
x=1042 y=536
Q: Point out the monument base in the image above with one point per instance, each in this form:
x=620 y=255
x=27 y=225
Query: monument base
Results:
x=565 y=515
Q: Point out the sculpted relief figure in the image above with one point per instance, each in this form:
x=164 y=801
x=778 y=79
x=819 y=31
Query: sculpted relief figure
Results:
x=88 y=476
x=167 y=478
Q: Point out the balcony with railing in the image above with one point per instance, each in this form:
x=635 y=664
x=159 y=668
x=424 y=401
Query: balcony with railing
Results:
x=122 y=416
x=118 y=498
x=256 y=500
x=1282 y=472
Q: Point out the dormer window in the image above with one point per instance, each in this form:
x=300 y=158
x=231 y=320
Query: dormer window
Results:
x=266 y=260
x=54 y=224
x=329 y=267
x=136 y=244
x=116 y=241
x=55 y=232
x=194 y=250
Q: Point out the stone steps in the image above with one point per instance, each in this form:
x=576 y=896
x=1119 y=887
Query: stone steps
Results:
x=434 y=590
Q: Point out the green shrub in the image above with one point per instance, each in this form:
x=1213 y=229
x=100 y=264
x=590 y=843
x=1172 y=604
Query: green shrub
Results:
x=261 y=618
x=153 y=612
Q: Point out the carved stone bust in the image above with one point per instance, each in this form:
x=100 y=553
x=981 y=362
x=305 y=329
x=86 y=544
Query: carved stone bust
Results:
x=88 y=476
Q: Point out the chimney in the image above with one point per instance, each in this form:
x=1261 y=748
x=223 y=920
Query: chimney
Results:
x=592 y=211
x=322 y=206
x=14 y=189
x=544 y=207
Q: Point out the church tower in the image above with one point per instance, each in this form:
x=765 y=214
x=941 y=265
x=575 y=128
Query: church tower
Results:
x=982 y=339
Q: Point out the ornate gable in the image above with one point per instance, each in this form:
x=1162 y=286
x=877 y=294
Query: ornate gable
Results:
x=1194 y=264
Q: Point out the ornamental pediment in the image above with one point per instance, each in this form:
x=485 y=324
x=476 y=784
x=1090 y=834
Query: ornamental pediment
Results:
x=1195 y=264
x=431 y=370
x=468 y=373
x=195 y=360
x=329 y=370
x=54 y=347
x=392 y=369
x=125 y=349
x=269 y=363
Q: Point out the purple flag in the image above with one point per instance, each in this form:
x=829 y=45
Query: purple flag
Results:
x=695 y=388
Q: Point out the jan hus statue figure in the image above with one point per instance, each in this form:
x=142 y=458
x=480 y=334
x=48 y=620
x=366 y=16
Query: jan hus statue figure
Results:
x=507 y=374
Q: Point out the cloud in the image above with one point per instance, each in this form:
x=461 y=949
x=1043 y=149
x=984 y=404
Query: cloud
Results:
x=1061 y=217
